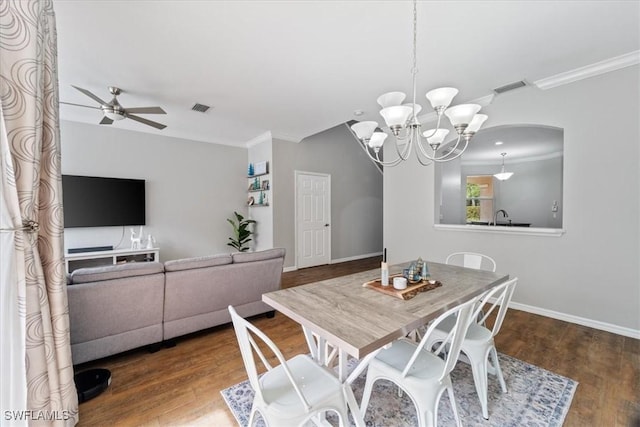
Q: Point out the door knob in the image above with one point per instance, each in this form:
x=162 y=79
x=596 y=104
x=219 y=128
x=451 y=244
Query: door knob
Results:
x=326 y=225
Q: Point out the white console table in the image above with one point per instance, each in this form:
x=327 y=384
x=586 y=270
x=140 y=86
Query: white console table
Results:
x=117 y=256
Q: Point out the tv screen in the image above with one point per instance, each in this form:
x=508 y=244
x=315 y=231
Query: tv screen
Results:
x=90 y=201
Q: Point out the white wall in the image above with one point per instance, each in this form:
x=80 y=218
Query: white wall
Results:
x=591 y=274
x=191 y=187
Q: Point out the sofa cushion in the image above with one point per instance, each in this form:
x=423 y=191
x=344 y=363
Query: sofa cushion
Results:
x=240 y=257
x=198 y=262
x=109 y=272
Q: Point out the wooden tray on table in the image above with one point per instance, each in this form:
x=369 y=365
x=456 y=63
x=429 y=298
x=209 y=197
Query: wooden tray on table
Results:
x=411 y=290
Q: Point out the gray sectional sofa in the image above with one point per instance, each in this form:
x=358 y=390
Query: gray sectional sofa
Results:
x=120 y=307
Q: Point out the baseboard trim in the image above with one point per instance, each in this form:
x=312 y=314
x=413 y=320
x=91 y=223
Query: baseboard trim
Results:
x=337 y=261
x=354 y=258
x=595 y=324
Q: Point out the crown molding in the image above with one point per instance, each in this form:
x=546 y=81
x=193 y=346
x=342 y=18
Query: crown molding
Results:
x=288 y=138
x=592 y=70
x=263 y=137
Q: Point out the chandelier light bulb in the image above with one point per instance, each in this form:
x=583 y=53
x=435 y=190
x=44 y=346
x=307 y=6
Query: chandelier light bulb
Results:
x=364 y=130
x=476 y=122
x=441 y=97
x=391 y=99
x=376 y=141
x=396 y=116
x=435 y=137
x=461 y=115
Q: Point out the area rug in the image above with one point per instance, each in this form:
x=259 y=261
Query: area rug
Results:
x=535 y=397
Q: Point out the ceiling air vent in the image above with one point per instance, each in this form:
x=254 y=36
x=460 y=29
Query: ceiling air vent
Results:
x=510 y=86
x=201 y=108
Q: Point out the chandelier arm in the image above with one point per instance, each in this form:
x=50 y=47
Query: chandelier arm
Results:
x=448 y=159
x=433 y=157
x=428 y=162
x=407 y=150
x=392 y=163
x=437 y=126
x=381 y=162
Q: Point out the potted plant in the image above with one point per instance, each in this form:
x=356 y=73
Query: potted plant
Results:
x=241 y=232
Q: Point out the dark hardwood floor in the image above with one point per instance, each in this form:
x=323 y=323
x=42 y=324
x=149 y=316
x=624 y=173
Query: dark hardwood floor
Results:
x=181 y=385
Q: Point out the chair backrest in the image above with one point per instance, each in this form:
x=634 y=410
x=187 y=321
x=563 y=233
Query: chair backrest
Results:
x=472 y=260
x=497 y=296
x=453 y=342
x=246 y=334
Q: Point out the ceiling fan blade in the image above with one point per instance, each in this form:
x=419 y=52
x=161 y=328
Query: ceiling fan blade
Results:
x=90 y=95
x=106 y=121
x=146 y=110
x=80 y=105
x=146 y=122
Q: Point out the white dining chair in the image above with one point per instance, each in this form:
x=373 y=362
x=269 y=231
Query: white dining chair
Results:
x=471 y=260
x=292 y=392
x=478 y=345
x=420 y=373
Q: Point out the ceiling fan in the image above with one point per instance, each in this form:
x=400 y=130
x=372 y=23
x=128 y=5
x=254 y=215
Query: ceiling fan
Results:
x=114 y=111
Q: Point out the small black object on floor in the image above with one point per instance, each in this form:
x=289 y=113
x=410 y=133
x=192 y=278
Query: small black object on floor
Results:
x=91 y=383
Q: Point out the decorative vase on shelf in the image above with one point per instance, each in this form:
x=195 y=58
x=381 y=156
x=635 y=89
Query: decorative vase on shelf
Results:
x=250 y=169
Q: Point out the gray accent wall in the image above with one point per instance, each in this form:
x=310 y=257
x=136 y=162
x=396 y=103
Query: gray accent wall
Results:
x=356 y=192
x=589 y=275
x=191 y=187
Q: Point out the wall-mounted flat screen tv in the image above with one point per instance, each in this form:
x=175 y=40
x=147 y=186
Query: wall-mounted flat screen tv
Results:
x=90 y=201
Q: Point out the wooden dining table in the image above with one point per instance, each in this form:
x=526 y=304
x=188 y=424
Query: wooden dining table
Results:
x=341 y=318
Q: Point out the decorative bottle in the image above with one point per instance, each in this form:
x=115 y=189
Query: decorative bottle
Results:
x=384 y=270
x=425 y=271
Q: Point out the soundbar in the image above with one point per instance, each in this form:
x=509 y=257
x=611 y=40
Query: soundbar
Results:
x=90 y=249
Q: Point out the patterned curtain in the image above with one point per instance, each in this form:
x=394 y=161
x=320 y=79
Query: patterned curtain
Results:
x=32 y=188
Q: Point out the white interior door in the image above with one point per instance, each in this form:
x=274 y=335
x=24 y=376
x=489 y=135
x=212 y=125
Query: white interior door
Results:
x=313 y=219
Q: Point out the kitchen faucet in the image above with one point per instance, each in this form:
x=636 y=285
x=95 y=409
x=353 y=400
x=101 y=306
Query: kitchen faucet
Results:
x=495 y=216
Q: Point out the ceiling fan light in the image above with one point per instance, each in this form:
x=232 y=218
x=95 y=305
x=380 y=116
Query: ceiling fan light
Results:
x=476 y=122
x=113 y=115
x=441 y=97
x=391 y=99
x=462 y=114
x=364 y=130
x=397 y=115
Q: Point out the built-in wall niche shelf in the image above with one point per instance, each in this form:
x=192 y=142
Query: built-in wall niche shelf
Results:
x=259 y=185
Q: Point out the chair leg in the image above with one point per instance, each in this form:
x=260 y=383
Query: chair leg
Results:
x=479 y=370
x=366 y=393
x=343 y=414
x=496 y=366
x=427 y=418
x=252 y=417
x=454 y=405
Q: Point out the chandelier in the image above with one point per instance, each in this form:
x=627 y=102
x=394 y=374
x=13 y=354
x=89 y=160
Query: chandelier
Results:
x=503 y=176
x=402 y=121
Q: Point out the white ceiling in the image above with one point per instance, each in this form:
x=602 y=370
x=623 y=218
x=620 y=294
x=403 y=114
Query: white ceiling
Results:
x=295 y=68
